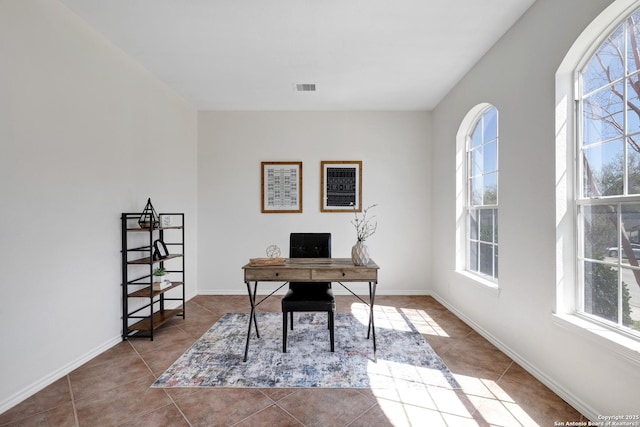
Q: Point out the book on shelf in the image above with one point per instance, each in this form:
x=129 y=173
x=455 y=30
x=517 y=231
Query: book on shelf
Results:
x=158 y=286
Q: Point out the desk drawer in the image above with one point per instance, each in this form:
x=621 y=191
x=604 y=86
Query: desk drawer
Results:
x=339 y=275
x=277 y=275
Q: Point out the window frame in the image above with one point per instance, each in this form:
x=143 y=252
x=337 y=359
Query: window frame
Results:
x=470 y=207
x=583 y=201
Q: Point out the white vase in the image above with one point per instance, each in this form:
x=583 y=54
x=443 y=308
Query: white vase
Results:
x=360 y=254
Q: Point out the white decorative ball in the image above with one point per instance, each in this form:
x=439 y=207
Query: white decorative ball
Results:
x=273 y=251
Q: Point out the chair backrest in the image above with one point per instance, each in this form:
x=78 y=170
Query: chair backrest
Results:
x=309 y=245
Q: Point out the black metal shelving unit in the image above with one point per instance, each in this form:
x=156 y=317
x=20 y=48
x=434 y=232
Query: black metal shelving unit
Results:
x=144 y=308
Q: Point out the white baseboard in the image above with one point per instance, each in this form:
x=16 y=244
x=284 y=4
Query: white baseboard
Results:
x=567 y=396
x=46 y=381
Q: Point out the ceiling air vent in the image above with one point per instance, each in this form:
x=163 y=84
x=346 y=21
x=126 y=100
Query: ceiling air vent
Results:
x=305 y=87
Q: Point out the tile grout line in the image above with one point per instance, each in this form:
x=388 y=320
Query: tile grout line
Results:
x=363 y=413
x=290 y=414
x=173 y=402
x=505 y=371
x=73 y=402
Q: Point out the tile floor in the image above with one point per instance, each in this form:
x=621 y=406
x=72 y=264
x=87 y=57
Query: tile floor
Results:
x=113 y=388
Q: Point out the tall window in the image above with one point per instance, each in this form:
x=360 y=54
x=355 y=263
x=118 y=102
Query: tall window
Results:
x=608 y=202
x=482 y=196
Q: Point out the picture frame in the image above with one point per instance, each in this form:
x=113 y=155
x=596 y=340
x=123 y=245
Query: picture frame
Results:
x=165 y=220
x=281 y=187
x=160 y=250
x=340 y=185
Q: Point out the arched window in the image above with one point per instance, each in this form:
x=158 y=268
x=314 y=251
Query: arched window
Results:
x=608 y=180
x=482 y=195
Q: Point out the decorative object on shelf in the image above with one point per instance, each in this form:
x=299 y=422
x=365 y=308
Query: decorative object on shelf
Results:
x=273 y=251
x=161 y=279
x=281 y=187
x=340 y=185
x=364 y=230
x=165 y=220
x=160 y=250
x=149 y=217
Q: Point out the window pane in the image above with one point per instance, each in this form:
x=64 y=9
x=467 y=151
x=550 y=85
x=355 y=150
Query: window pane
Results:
x=473 y=224
x=490 y=196
x=490 y=156
x=630 y=298
x=606 y=65
x=633 y=104
x=486 y=259
x=476 y=136
x=601 y=291
x=490 y=125
x=473 y=256
x=603 y=115
x=477 y=188
x=486 y=225
x=631 y=278
x=630 y=217
x=634 y=33
x=633 y=164
x=600 y=232
x=495 y=260
x=495 y=225
x=603 y=169
x=477 y=161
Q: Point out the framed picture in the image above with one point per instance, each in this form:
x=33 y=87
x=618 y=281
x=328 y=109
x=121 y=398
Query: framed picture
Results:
x=160 y=250
x=281 y=187
x=341 y=185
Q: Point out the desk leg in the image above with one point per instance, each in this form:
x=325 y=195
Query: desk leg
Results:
x=371 y=330
x=252 y=316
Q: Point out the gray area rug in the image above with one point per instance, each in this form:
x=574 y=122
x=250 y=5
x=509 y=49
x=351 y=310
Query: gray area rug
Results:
x=404 y=358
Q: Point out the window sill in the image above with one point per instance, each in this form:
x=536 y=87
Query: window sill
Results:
x=626 y=347
x=480 y=282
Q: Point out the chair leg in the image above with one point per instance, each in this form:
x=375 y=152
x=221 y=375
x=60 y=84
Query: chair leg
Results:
x=331 y=334
x=284 y=331
x=291 y=314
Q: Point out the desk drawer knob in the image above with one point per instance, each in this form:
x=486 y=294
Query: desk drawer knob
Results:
x=277 y=274
x=344 y=274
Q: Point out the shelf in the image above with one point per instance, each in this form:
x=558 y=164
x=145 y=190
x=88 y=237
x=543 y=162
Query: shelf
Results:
x=146 y=230
x=159 y=317
x=148 y=260
x=141 y=304
x=144 y=292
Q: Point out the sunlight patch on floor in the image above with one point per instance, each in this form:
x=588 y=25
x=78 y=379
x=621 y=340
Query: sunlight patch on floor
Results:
x=412 y=403
x=404 y=375
x=398 y=319
x=428 y=407
x=386 y=317
x=423 y=322
x=492 y=403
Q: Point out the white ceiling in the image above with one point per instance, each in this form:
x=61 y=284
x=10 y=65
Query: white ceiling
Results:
x=249 y=54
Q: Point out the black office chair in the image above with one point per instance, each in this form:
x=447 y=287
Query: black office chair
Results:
x=303 y=296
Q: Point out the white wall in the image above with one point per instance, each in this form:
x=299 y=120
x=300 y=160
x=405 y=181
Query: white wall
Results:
x=85 y=134
x=394 y=149
x=518 y=77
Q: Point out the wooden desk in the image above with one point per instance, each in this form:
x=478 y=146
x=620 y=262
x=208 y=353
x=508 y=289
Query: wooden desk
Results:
x=311 y=270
